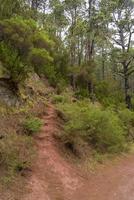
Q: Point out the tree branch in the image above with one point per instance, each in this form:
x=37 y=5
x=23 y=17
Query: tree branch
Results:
x=131 y=72
x=129 y=62
x=117 y=42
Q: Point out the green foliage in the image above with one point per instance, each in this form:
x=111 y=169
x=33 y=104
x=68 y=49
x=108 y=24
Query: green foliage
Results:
x=42 y=61
x=18 y=71
x=58 y=99
x=101 y=129
x=41 y=56
x=32 y=125
x=65 y=97
x=17 y=33
x=127 y=117
x=108 y=93
x=41 y=40
x=25 y=48
x=9 y=8
x=82 y=93
x=16 y=154
x=15 y=47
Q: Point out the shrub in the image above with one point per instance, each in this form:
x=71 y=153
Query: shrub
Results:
x=40 y=57
x=32 y=125
x=42 y=63
x=101 y=129
x=58 y=99
x=64 y=97
x=82 y=93
x=42 y=41
x=17 y=70
x=109 y=93
x=61 y=85
x=127 y=118
x=25 y=48
x=15 y=47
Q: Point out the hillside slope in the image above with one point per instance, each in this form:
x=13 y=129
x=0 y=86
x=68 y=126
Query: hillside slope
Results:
x=55 y=178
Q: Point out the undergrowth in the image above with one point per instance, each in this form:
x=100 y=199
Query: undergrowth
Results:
x=105 y=130
x=16 y=155
x=32 y=125
x=17 y=148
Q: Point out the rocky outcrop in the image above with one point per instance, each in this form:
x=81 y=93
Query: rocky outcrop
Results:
x=33 y=86
x=7 y=95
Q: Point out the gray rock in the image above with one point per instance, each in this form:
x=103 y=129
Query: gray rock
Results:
x=6 y=95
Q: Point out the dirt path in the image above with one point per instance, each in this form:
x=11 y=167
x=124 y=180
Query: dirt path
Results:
x=53 y=178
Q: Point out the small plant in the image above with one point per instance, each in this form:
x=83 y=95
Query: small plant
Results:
x=32 y=125
x=58 y=99
x=82 y=93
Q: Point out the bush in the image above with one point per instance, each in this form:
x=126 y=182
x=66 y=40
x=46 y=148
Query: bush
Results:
x=42 y=41
x=59 y=99
x=42 y=63
x=25 y=48
x=61 y=85
x=15 y=47
x=127 y=118
x=109 y=93
x=82 y=93
x=101 y=129
x=17 y=70
x=32 y=125
x=64 y=97
x=39 y=58
x=16 y=154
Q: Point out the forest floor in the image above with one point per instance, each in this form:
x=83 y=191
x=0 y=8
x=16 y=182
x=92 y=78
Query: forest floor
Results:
x=53 y=177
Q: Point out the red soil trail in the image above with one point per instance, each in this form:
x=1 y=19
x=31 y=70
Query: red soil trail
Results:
x=54 y=178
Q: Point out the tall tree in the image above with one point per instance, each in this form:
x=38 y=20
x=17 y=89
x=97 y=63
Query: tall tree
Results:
x=122 y=26
x=59 y=21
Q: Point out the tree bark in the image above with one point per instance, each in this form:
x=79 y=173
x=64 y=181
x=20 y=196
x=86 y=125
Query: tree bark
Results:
x=127 y=89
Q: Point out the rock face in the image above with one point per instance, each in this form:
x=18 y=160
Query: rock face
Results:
x=34 y=85
x=6 y=95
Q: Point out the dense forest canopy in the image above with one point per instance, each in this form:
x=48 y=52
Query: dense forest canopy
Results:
x=85 y=43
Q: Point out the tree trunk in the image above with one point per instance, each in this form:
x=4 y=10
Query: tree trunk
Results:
x=103 y=70
x=90 y=88
x=127 y=92
x=103 y=63
x=73 y=82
